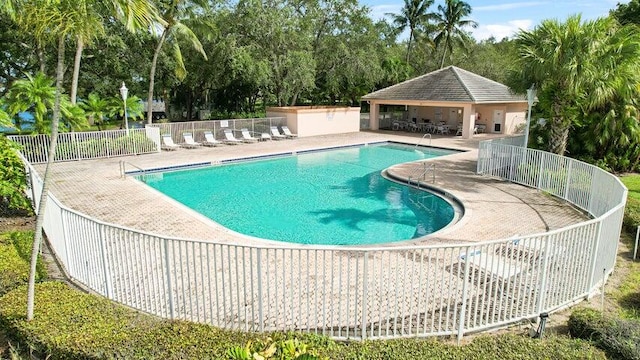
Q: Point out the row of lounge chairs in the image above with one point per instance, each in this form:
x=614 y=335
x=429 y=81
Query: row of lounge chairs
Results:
x=229 y=139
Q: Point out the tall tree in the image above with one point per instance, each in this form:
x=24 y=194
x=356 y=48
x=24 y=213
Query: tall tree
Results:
x=134 y=14
x=450 y=24
x=628 y=13
x=413 y=14
x=172 y=13
x=579 y=68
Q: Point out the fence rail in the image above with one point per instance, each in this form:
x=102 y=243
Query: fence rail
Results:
x=358 y=293
x=89 y=145
x=197 y=128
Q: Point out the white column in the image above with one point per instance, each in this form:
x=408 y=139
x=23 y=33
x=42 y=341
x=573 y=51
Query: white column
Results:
x=468 y=120
x=374 y=122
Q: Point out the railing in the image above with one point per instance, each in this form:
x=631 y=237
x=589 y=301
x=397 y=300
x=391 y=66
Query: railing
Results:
x=358 y=293
x=421 y=172
x=89 y=145
x=217 y=127
x=421 y=139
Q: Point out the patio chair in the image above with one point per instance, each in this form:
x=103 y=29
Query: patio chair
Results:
x=167 y=143
x=287 y=132
x=246 y=136
x=275 y=133
x=209 y=140
x=230 y=139
x=189 y=143
x=265 y=137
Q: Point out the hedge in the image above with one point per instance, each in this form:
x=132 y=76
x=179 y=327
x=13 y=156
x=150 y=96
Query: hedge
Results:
x=69 y=324
x=15 y=255
x=619 y=338
x=13 y=181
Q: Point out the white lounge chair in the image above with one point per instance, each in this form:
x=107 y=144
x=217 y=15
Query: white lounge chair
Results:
x=230 y=139
x=287 y=132
x=265 y=137
x=189 y=143
x=275 y=133
x=246 y=136
x=167 y=143
x=209 y=140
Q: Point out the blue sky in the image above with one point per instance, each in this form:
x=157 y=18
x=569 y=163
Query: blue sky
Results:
x=502 y=18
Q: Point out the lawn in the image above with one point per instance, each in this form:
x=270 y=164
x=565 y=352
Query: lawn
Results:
x=632 y=182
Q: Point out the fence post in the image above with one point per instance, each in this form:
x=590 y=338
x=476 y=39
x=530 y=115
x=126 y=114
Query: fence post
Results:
x=260 y=308
x=635 y=247
x=168 y=275
x=594 y=257
x=105 y=265
x=463 y=312
x=540 y=172
x=543 y=280
x=364 y=296
x=568 y=181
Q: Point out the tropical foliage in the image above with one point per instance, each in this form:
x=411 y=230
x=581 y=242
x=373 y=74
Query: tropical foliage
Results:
x=588 y=79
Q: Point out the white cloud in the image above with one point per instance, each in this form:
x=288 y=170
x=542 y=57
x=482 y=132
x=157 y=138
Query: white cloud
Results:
x=501 y=31
x=509 y=6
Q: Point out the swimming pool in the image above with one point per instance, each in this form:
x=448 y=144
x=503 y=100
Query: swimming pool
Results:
x=332 y=197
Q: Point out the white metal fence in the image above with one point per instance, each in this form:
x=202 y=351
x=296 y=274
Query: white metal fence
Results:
x=359 y=293
x=197 y=128
x=89 y=145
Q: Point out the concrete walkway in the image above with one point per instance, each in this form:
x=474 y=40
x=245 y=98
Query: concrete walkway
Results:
x=494 y=209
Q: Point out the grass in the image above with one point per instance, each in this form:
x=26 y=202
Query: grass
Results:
x=627 y=294
x=632 y=182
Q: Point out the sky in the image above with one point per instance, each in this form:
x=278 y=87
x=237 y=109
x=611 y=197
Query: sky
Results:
x=503 y=18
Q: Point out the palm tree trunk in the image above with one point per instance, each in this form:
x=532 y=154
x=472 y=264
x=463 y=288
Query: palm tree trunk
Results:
x=409 y=45
x=558 y=131
x=444 y=54
x=37 y=238
x=41 y=57
x=76 y=69
x=152 y=75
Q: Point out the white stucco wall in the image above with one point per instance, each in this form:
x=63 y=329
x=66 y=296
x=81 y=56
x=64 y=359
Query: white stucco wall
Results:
x=318 y=120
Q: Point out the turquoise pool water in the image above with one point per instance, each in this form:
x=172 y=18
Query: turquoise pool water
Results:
x=333 y=197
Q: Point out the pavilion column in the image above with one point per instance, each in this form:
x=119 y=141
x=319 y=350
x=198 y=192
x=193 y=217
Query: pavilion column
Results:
x=374 y=121
x=468 y=120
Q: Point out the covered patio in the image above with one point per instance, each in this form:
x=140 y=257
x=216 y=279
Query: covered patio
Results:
x=448 y=101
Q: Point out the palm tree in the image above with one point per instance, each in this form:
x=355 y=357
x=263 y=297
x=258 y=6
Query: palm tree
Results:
x=450 y=26
x=35 y=94
x=96 y=109
x=134 y=14
x=412 y=15
x=172 y=12
x=579 y=68
x=135 y=108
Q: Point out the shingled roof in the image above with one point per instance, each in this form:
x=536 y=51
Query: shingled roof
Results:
x=448 y=84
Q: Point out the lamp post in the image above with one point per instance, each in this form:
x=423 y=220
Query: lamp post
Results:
x=124 y=92
x=531 y=95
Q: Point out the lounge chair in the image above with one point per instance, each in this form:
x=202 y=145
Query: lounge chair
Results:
x=275 y=133
x=167 y=143
x=189 y=143
x=265 y=137
x=230 y=139
x=209 y=140
x=287 y=132
x=246 y=136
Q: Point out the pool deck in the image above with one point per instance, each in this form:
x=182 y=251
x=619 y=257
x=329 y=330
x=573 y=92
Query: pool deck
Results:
x=493 y=209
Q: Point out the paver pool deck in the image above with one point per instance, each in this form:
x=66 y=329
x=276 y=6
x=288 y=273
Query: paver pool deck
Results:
x=493 y=209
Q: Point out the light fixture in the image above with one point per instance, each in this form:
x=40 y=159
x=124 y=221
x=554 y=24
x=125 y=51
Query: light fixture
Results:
x=124 y=92
x=531 y=96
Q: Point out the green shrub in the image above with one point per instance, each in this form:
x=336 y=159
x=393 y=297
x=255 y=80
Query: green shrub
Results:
x=72 y=325
x=619 y=338
x=15 y=256
x=13 y=182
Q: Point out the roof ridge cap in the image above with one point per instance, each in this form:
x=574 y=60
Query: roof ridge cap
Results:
x=464 y=85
